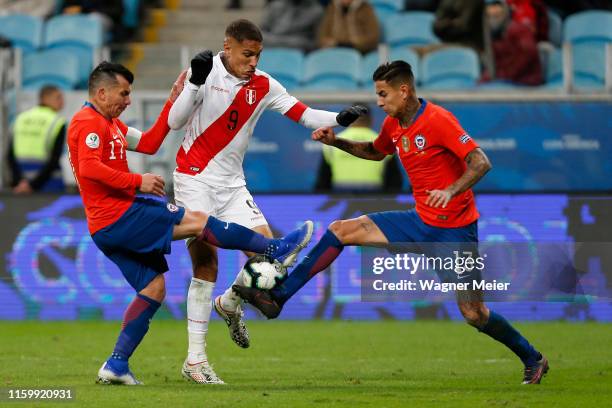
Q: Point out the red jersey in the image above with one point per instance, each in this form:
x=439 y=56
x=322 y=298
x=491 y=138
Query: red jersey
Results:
x=97 y=152
x=432 y=150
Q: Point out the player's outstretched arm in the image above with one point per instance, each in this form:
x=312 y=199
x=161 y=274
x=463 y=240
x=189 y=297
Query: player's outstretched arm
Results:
x=363 y=150
x=185 y=104
x=150 y=141
x=316 y=118
x=478 y=165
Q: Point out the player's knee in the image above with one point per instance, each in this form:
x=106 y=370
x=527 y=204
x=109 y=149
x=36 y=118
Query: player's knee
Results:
x=474 y=314
x=156 y=289
x=338 y=228
x=198 y=221
x=206 y=271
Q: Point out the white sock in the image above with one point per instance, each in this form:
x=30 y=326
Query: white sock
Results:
x=199 y=305
x=230 y=300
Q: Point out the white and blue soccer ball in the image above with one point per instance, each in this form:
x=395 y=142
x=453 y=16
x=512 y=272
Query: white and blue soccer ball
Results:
x=263 y=272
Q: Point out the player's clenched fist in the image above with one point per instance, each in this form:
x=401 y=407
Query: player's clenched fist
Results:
x=349 y=115
x=153 y=184
x=201 y=65
x=324 y=135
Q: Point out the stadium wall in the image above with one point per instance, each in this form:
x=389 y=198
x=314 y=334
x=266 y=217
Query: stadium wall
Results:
x=536 y=142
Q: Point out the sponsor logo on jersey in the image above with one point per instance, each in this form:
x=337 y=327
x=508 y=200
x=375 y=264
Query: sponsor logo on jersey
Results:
x=172 y=208
x=196 y=169
x=216 y=88
x=92 y=141
x=251 y=96
x=405 y=143
x=465 y=138
x=420 y=142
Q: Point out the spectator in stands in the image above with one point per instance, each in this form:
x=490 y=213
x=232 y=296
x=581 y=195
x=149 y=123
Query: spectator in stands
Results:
x=533 y=14
x=342 y=172
x=460 y=22
x=291 y=23
x=110 y=12
x=349 y=23
x=515 y=51
x=36 y=146
x=421 y=5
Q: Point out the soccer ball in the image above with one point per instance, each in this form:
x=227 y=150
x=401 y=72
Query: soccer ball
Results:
x=262 y=272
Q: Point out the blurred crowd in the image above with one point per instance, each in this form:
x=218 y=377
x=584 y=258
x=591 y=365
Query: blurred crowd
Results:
x=505 y=33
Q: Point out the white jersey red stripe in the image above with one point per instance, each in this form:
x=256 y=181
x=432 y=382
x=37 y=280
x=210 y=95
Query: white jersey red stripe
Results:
x=219 y=129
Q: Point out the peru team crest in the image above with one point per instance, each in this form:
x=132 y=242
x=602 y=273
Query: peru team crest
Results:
x=251 y=96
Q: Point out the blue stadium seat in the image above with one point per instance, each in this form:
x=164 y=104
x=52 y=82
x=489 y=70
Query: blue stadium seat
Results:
x=386 y=8
x=555 y=28
x=369 y=63
x=450 y=68
x=405 y=29
x=54 y=67
x=332 y=68
x=24 y=31
x=554 y=69
x=588 y=66
x=286 y=65
x=406 y=54
x=131 y=9
x=372 y=60
x=588 y=27
x=78 y=34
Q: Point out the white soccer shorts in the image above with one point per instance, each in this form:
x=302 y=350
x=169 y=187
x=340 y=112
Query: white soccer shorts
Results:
x=229 y=204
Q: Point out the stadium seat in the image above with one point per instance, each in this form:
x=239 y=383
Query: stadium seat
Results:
x=406 y=54
x=450 y=68
x=131 y=9
x=555 y=28
x=286 y=65
x=406 y=29
x=24 y=31
x=79 y=34
x=588 y=67
x=588 y=27
x=332 y=68
x=369 y=63
x=386 y=8
x=372 y=60
x=550 y=59
x=54 y=67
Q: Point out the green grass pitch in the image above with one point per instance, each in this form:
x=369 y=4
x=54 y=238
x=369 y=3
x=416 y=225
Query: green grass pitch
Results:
x=315 y=364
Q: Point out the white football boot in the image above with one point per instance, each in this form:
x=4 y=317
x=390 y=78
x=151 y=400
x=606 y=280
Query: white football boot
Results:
x=201 y=373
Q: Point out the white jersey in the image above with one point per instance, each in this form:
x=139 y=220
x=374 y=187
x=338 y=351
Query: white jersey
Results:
x=222 y=122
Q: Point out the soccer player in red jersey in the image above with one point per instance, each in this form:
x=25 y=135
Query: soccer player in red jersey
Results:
x=443 y=162
x=134 y=231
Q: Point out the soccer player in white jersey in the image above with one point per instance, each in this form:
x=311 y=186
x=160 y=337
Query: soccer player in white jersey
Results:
x=222 y=100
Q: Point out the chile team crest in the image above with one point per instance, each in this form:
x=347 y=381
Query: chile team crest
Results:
x=420 y=142
x=251 y=96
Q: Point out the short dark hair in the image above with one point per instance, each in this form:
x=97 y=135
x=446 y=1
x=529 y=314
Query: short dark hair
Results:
x=396 y=72
x=243 y=29
x=46 y=91
x=107 y=72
